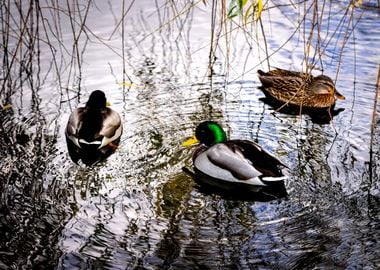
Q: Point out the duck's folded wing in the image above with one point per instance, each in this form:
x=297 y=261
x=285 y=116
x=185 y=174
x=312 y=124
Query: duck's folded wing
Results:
x=281 y=83
x=263 y=161
x=112 y=127
x=233 y=161
x=230 y=162
x=73 y=123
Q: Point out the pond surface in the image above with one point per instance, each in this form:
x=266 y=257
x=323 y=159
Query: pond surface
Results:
x=138 y=209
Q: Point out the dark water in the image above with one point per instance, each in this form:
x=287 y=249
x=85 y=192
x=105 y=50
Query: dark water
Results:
x=138 y=209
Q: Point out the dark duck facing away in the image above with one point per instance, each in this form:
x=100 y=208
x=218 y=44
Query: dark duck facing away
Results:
x=93 y=132
x=232 y=163
x=299 y=89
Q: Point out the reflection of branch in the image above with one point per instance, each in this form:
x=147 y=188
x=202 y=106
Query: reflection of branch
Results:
x=9 y=66
x=185 y=10
x=373 y=126
x=345 y=38
x=121 y=22
x=51 y=47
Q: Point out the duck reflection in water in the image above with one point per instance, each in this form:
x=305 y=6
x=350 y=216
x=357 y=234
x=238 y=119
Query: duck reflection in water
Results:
x=239 y=169
x=294 y=92
x=93 y=132
x=237 y=192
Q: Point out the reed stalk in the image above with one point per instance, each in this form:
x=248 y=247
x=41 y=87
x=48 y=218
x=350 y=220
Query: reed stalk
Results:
x=373 y=128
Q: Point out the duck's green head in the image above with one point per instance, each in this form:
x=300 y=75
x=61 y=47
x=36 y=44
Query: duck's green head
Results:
x=97 y=100
x=207 y=133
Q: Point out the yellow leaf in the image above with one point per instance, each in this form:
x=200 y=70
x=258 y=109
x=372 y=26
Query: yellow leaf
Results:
x=255 y=7
x=259 y=8
x=127 y=84
x=7 y=107
x=247 y=13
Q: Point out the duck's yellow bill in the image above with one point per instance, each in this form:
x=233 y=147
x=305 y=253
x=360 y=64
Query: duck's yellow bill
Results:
x=189 y=142
x=108 y=103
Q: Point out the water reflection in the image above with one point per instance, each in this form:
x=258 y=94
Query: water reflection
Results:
x=175 y=195
x=314 y=168
x=138 y=210
x=30 y=215
x=318 y=116
x=242 y=192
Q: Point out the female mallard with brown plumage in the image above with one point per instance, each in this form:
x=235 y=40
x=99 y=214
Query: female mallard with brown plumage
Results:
x=300 y=89
x=93 y=132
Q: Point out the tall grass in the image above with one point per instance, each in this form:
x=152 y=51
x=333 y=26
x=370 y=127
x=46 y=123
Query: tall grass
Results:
x=27 y=28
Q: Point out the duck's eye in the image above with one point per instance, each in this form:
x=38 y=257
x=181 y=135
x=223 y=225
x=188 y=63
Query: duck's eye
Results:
x=327 y=86
x=330 y=84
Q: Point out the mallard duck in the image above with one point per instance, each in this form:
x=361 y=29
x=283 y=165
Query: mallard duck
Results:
x=93 y=132
x=300 y=89
x=232 y=162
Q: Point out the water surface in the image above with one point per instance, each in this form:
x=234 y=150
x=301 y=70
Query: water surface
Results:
x=139 y=209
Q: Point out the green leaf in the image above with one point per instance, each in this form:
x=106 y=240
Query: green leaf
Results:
x=233 y=10
x=241 y=4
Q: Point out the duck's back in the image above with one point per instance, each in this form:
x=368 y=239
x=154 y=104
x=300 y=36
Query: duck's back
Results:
x=282 y=73
x=91 y=123
x=289 y=89
x=237 y=160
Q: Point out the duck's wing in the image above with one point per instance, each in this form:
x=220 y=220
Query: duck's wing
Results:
x=112 y=127
x=232 y=161
x=286 y=89
x=281 y=82
x=219 y=162
x=73 y=125
x=262 y=160
x=74 y=121
x=290 y=86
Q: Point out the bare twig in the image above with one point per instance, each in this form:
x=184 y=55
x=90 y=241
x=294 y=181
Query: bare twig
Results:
x=373 y=125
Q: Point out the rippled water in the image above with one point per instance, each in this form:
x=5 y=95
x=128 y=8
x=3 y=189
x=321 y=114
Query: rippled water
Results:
x=138 y=209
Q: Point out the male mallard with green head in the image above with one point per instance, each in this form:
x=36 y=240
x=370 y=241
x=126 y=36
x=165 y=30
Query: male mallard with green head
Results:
x=300 y=89
x=93 y=132
x=233 y=162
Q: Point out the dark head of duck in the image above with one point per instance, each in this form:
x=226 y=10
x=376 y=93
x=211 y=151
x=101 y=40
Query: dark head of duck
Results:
x=210 y=133
x=92 y=120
